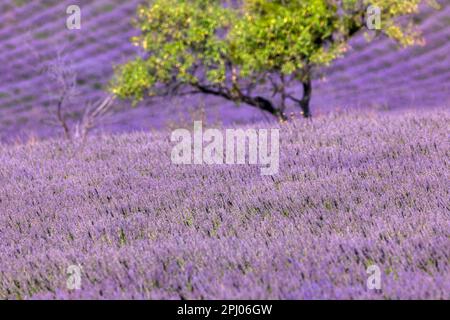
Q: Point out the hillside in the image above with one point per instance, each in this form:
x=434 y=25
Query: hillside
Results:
x=373 y=75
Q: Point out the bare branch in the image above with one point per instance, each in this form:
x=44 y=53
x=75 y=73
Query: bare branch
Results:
x=92 y=114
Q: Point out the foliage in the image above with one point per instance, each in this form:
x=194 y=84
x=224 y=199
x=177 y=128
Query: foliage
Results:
x=229 y=48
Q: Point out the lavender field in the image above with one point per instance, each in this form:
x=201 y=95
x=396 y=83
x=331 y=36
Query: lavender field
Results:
x=352 y=191
x=363 y=183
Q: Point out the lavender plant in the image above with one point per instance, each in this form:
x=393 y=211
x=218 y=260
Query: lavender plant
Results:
x=352 y=191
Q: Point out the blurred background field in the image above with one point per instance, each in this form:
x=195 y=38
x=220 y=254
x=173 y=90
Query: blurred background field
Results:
x=372 y=76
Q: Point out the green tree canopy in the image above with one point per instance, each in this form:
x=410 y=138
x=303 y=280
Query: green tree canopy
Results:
x=231 y=48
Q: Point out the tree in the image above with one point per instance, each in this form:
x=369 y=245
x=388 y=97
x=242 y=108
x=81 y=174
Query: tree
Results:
x=63 y=91
x=233 y=48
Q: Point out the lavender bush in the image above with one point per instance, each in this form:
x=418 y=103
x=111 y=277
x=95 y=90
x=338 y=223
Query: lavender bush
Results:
x=352 y=191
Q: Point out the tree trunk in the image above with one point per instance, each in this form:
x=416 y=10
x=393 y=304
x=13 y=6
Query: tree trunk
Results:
x=304 y=103
x=258 y=102
x=265 y=105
